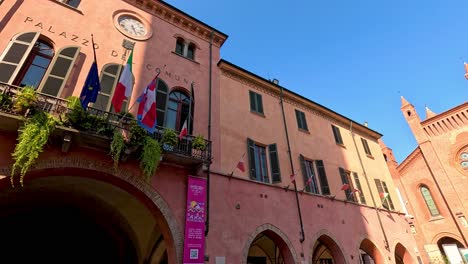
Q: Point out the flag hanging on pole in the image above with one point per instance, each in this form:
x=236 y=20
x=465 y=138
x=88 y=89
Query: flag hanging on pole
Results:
x=345 y=187
x=146 y=116
x=124 y=87
x=383 y=195
x=183 y=131
x=91 y=87
x=240 y=165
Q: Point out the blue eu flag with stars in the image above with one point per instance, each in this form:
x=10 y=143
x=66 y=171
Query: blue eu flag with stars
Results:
x=91 y=87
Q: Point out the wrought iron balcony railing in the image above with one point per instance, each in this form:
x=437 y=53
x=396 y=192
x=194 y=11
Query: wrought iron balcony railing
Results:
x=98 y=122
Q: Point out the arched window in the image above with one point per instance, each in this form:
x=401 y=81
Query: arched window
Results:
x=36 y=65
x=59 y=70
x=426 y=194
x=72 y=3
x=177 y=110
x=109 y=78
x=191 y=51
x=29 y=59
x=161 y=99
x=180 y=46
x=464 y=159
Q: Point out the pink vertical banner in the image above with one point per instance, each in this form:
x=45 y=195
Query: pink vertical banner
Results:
x=194 y=240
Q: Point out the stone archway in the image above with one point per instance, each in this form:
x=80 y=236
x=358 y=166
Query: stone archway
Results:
x=326 y=250
x=56 y=175
x=402 y=256
x=268 y=245
x=369 y=253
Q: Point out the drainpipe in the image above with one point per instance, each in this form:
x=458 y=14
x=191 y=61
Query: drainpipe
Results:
x=302 y=238
x=387 y=245
x=207 y=221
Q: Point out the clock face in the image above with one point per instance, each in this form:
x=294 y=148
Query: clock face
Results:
x=132 y=26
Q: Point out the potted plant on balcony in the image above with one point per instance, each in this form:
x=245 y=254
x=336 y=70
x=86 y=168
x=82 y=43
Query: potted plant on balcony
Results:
x=169 y=139
x=25 y=100
x=5 y=101
x=199 y=143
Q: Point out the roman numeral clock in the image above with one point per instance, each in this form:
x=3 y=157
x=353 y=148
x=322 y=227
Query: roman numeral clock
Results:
x=132 y=25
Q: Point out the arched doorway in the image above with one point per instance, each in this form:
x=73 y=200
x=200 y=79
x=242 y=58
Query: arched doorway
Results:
x=74 y=219
x=326 y=251
x=402 y=255
x=448 y=241
x=369 y=254
x=269 y=248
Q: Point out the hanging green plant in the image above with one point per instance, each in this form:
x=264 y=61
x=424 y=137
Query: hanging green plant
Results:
x=25 y=100
x=5 y=101
x=150 y=157
x=76 y=112
x=116 y=147
x=31 y=140
x=199 y=143
x=137 y=135
x=169 y=137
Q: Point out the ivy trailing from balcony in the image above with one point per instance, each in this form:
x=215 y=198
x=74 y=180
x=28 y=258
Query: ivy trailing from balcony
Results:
x=25 y=100
x=150 y=157
x=31 y=140
x=116 y=147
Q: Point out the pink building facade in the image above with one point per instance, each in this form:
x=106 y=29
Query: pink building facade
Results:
x=432 y=179
x=342 y=206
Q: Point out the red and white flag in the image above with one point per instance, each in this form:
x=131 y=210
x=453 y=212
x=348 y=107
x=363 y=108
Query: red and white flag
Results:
x=383 y=195
x=293 y=177
x=146 y=116
x=345 y=187
x=308 y=181
x=183 y=131
x=240 y=165
x=123 y=90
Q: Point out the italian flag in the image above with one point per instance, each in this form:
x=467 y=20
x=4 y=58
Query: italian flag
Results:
x=124 y=87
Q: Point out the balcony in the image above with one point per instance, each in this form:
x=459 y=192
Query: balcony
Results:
x=97 y=130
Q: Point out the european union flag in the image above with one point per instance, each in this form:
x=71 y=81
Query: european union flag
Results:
x=91 y=87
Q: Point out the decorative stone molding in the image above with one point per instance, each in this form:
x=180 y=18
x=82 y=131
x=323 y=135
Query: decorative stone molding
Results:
x=123 y=174
x=297 y=103
x=259 y=230
x=180 y=20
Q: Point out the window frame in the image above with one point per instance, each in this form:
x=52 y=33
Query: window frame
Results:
x=337 y=135
x=366 y=147
x=382 y=188
x=346 y=178
x=309 y=171
x=256 y=103
x=67 y=2
x=301 y=120
x=116 y=77
x=421 y=187
x=254 y=154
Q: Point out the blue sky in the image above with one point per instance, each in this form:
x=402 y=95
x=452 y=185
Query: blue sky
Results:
x=355 y=57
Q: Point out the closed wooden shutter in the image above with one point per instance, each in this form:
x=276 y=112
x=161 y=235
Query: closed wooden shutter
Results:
x=161 y=102
x=251 y=151
x=274 y=163
x=15 y=55
x=358 y=186
x=322 y=177
x=345 y=180
x=58 y=71
x=109 y=77
x=304 y=172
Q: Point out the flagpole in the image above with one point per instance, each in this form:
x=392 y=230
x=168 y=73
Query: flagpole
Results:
x=94 y=49
x=233 y=169
x=125 y=114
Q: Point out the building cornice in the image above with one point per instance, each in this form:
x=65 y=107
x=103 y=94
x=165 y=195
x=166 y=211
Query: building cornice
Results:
x=404 y=164
x=446 y=114
x=180 y=19
x=250 y=79
x=447 y=121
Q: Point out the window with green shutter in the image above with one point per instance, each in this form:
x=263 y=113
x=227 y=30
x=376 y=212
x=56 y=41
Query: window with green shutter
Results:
x=274 y=164
x=365 y=145
x=257 y=162
x=322 y=177
x=346 y=180
x=308 y=172
x=384 y=195
x=337 y=135
x=256 y=104
x=301 y=120
x=357 y=182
